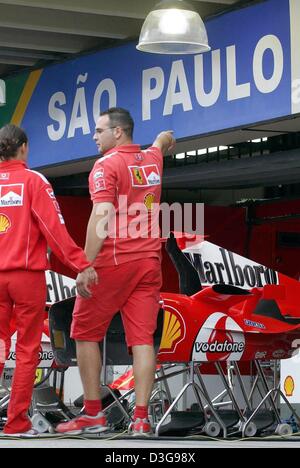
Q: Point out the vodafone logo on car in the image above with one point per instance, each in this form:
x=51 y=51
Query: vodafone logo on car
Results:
x=219 y=339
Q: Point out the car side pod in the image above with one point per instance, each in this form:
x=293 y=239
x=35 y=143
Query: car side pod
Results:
x=228 y=296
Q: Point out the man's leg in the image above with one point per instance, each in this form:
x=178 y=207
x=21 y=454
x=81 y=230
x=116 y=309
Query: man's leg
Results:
x=29 y=312
x=6 y=309
x=87 y=330
x=140 y=321
x=93 y=421
x=144 y=365
x=90 y=365
x=91 y=319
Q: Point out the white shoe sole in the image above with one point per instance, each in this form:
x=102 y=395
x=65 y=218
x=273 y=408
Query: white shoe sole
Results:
x=140 y=434
x=87 y=430
x=20 y=435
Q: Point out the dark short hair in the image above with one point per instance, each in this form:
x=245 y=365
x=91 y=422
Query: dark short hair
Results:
x=120 y=118
x=11 y=138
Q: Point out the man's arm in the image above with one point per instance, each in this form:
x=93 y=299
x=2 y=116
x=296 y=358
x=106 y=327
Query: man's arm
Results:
x=165 y=141
x=46 y=211
x=97 y=231
x=98 y=228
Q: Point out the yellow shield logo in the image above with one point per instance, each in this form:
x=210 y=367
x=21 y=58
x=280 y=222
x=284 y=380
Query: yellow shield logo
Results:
x=289 y=386
x=5 y=224
x=172 y=332
x=149 y=201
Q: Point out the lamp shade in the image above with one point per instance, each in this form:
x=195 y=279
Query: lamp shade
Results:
x=173 y=27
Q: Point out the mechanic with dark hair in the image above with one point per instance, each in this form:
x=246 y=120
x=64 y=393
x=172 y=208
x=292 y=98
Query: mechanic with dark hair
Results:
x=30 y=219
x=128 y=265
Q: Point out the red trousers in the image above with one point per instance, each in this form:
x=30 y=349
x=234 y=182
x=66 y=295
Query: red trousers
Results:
x=22 y=295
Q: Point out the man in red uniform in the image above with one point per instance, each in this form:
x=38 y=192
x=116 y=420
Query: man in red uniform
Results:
x=126 y=256
x=30 y=219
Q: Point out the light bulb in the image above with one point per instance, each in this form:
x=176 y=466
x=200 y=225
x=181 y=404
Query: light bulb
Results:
x=173 y=22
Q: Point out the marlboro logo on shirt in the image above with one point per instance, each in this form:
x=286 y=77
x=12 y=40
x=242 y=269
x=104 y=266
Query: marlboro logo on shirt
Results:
x=11 y=195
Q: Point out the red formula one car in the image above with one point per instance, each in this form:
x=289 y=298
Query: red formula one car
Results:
x=229 y=308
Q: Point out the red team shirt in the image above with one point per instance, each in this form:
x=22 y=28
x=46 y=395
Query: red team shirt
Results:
x=130 y=179
x=30 y=218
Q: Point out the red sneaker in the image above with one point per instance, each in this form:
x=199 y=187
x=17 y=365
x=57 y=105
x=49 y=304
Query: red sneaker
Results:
x=84 y=425
x=140 y=427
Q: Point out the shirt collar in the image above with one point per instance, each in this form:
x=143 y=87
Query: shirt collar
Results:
x=124 y=149
x=12 y=164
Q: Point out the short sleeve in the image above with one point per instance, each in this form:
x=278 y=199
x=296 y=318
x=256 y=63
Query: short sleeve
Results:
x=157 y=155
x=103 y=183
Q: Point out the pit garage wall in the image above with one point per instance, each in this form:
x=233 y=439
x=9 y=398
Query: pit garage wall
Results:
x=230 y=233
x=252 y=232
x=275 y=236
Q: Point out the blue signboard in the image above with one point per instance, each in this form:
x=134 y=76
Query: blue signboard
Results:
x=245 y=79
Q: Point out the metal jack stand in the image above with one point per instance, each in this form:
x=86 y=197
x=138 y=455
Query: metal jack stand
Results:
x=4 y=402
x=271 y=396
x=209 y=428
x=266 y=418
x=248 y=430
x=162 y=378
x=161 y=397
x=45 y=401
x=198 y=392
x=242 y=386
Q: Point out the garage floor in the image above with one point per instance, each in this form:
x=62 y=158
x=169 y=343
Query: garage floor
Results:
x=113 y=442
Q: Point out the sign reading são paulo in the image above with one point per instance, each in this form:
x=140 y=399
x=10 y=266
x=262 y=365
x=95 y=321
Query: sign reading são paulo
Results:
x=251 y=75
